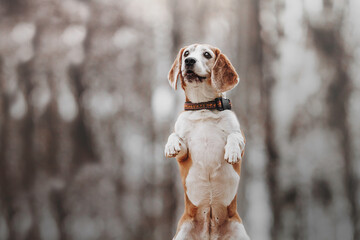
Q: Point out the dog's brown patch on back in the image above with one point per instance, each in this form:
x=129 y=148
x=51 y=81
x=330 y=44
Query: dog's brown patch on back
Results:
x=184 y=164
x=190 y=209
x=237 y=167
x=232 y=211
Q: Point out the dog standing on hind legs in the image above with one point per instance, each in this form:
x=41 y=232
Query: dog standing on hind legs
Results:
x=208 y=145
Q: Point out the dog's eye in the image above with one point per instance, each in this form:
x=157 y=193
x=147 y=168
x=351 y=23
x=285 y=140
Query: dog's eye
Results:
x=207 y=55
x=186 y=53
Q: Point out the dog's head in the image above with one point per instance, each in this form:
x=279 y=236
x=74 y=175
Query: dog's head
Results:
x=204 y=68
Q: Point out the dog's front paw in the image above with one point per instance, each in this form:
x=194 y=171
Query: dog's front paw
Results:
x=232 y=153
x=172 y=149
x=173 y=146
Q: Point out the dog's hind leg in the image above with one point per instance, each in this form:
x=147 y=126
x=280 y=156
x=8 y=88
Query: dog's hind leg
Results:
x=185 y=232
x=234 y=230
x=193 y=228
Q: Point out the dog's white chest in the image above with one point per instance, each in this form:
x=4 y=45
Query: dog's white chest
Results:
x=206 y=144
x=210 y=180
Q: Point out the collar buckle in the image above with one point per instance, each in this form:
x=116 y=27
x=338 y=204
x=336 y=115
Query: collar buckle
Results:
x=222 y=104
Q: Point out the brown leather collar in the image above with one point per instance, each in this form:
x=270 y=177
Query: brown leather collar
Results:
x=220 y=104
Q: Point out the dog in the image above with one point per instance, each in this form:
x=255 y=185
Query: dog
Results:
x=208 y=145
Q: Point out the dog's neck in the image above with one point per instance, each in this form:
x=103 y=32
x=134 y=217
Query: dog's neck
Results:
x=200 y=92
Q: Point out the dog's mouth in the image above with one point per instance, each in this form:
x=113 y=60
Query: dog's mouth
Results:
x=190 y=75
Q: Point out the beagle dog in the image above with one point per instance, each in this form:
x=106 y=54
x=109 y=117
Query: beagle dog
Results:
x=208 y=145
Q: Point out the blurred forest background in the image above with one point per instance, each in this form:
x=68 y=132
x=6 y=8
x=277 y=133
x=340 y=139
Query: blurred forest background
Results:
x=86 y=109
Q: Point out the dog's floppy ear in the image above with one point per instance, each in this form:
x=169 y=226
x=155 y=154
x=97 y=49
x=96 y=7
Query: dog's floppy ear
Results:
x=223 y=74
x=175 y=70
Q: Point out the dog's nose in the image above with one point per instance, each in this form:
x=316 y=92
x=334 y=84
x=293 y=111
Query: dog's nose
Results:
x=190 y=61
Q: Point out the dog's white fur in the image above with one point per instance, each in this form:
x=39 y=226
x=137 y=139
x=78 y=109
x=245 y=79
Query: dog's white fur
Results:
x=213 y=139
x=207 y=133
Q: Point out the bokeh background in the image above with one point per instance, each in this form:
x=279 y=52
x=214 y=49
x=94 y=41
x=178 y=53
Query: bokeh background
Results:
x=86 y=109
